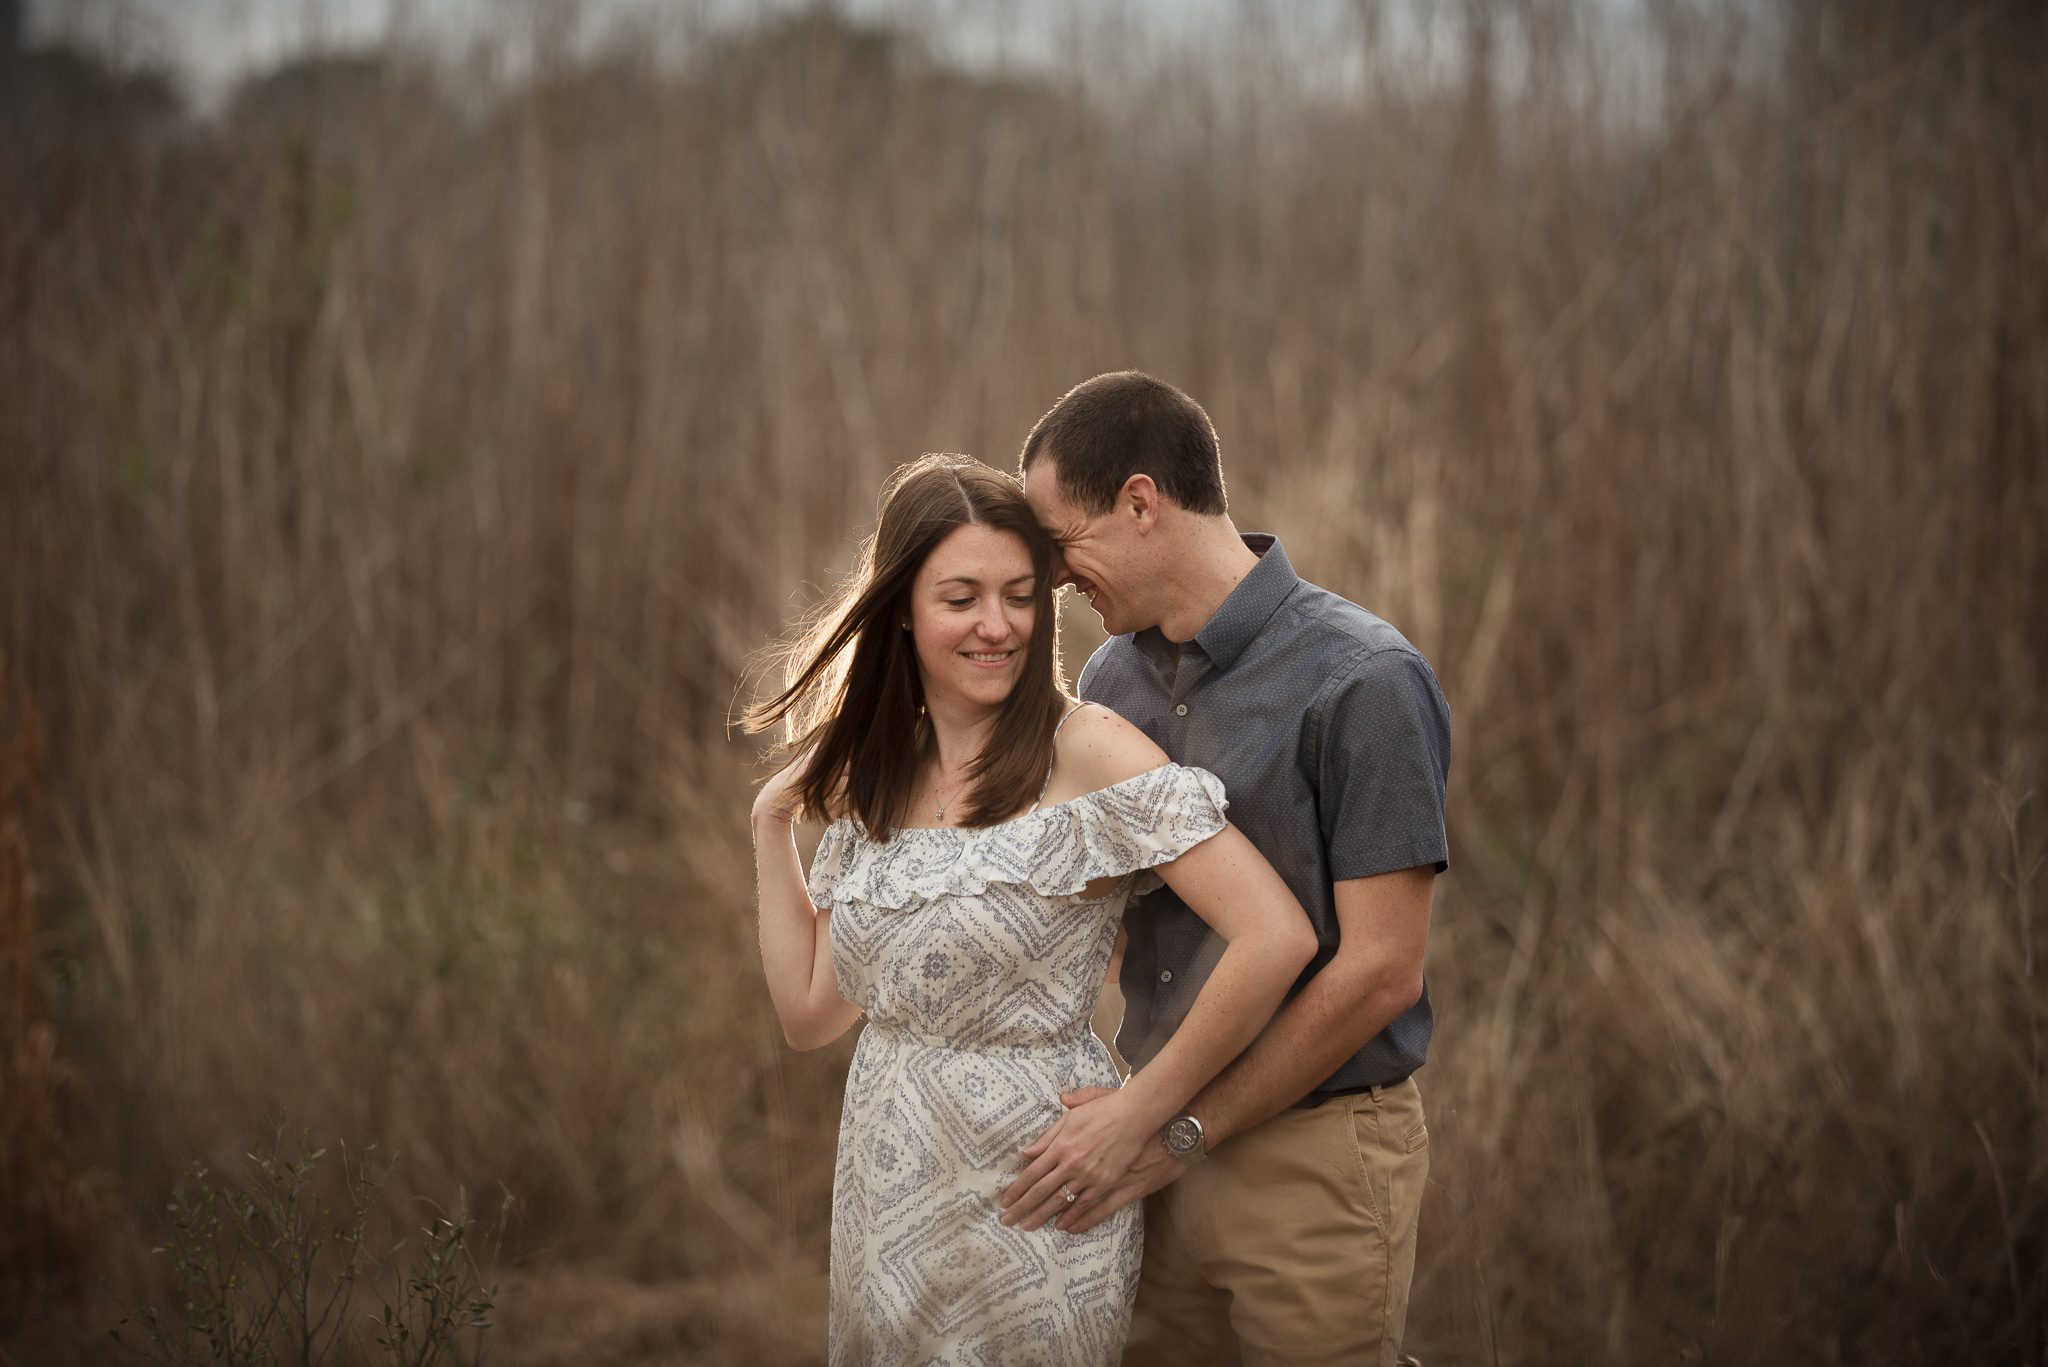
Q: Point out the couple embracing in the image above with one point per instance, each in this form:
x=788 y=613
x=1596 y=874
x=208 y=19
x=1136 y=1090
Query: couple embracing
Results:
x=996 y=850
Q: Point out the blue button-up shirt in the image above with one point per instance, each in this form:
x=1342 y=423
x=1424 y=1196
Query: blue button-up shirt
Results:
x=1333 y=742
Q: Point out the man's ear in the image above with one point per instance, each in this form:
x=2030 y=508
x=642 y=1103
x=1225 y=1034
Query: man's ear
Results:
x=1140 y=498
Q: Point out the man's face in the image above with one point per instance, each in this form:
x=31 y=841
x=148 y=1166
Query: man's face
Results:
x=1096 y=550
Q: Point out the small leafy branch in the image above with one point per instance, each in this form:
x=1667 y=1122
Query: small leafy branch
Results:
x=442 y=1297
x=264 y=1271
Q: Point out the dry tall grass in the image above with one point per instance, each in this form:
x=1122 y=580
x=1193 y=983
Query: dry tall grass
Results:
x=51 y=1203
x=396 y=480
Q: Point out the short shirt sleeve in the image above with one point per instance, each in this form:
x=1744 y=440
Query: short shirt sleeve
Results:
x=1379 y=742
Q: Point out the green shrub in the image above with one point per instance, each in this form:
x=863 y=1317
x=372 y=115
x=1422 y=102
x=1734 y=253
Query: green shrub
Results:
x=266 y=1270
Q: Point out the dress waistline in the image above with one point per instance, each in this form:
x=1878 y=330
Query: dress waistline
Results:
x=1058 y=1046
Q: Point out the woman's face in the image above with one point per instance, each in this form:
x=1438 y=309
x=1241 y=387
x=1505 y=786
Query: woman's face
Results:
x=972 y=609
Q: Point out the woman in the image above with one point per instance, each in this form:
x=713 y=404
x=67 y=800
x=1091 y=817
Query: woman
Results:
x=985 y=835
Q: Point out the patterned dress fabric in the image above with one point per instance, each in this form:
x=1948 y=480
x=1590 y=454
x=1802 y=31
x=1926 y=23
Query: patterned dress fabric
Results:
x=978 y=956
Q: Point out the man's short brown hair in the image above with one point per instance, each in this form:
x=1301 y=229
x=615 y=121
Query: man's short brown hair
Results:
x=1104 y=430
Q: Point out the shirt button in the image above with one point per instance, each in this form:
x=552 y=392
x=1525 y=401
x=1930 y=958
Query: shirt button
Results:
x=1180 y=709
x=1166 y=975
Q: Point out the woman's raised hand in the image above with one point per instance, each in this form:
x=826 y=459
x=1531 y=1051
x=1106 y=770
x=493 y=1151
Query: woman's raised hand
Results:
x=778 y=799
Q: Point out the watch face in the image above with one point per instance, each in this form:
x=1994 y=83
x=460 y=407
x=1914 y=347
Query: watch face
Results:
x=1183 y=1135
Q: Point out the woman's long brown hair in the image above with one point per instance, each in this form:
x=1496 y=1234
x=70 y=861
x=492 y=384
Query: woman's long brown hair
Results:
x=854 y=698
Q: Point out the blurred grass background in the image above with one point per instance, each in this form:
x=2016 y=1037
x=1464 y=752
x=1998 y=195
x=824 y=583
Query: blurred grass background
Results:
x=400 y=461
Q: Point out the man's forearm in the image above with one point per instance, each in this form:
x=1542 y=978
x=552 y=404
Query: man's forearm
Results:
x=1342 y=1007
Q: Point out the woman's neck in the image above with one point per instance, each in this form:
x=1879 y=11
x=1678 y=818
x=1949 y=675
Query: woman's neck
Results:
x=959 y=731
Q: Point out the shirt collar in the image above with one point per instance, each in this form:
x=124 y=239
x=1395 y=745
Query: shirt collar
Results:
x=1244 y=613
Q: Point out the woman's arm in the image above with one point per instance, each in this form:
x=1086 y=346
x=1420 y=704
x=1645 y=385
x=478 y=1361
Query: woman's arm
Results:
x=1267 y=942
x=796 y=946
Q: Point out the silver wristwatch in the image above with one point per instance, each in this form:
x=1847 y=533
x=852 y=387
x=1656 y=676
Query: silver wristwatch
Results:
x=1183 y=1137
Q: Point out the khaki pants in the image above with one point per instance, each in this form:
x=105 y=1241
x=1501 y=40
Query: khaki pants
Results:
x=1292 y=1244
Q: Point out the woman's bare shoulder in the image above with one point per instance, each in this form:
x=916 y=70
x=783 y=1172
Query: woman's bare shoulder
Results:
x=1097 y=748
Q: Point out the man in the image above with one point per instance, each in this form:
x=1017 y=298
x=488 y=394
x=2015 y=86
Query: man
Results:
x=1281 y=1209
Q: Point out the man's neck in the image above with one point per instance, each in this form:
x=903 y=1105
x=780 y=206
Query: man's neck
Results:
x=1209 y=564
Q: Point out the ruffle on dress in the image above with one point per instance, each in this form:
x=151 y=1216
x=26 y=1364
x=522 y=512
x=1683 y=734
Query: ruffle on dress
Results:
x=1132 y=826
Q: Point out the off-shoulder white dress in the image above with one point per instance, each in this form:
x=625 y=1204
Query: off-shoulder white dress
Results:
x=978 y=958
